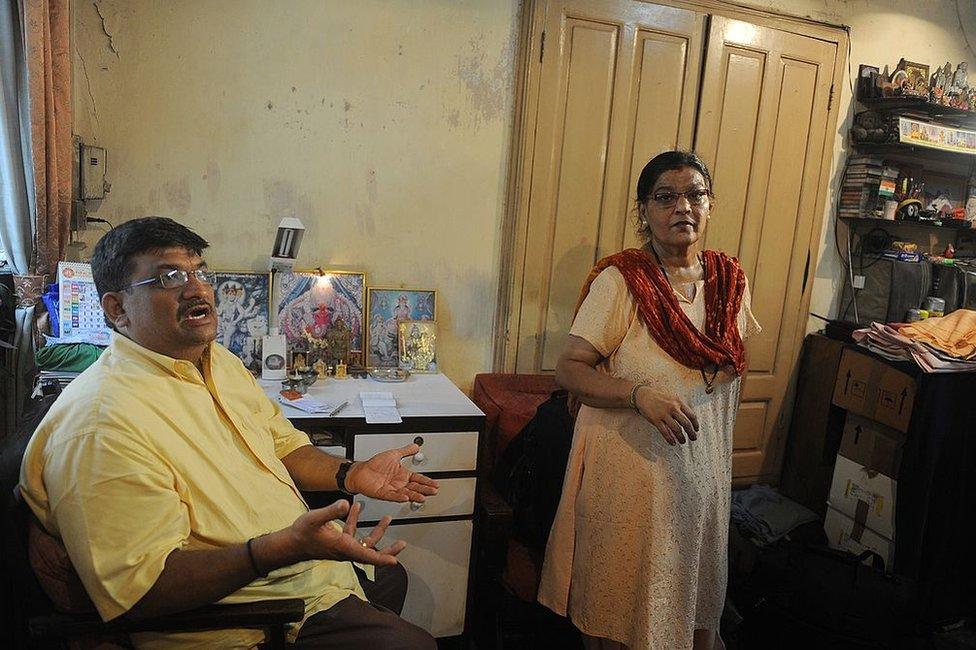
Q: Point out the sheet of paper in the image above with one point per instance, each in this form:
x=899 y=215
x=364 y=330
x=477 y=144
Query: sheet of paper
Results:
x=382 y=415
x=377 y=398
x=310 y=405
x=379 y=407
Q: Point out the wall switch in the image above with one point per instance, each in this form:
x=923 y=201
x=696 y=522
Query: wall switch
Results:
x=858 y=281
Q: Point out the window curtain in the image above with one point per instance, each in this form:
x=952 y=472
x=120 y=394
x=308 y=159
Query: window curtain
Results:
x=49 y=83
x=35 y=166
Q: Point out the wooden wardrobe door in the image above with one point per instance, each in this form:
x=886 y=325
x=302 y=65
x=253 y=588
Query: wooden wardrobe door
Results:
x=617 y=84
x=761 y=129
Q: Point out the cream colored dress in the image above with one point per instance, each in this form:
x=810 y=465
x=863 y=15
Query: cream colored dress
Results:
x=638 y=549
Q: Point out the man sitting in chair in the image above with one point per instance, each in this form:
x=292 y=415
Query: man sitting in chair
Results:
x=173 y=481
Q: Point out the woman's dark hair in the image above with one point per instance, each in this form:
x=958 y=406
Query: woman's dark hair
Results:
x=111 y=260
x=665 y=162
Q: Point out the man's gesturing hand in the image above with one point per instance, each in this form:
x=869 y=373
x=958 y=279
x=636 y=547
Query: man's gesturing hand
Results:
x=383 y=477
x=316 y=537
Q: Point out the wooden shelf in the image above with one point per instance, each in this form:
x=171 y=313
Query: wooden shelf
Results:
x=935 y=225
x=904 y=149
x=920 y=106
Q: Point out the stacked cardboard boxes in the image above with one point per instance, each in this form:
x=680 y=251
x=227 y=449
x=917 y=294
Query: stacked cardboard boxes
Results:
x=861 y=503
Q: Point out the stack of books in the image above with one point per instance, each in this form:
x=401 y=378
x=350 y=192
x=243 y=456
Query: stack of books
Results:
x=859 y=191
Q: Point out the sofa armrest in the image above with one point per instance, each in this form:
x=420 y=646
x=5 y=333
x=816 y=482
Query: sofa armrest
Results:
x=258 y=614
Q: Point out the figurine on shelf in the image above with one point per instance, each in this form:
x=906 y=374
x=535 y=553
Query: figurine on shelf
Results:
x=340 y=370
x=960 y=84
x=939 y=85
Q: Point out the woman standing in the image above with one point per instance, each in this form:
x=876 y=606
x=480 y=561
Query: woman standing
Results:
x=637 y=553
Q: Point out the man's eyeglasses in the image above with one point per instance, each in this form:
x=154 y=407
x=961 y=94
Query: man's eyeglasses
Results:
x=670 y=199
x=177 y=278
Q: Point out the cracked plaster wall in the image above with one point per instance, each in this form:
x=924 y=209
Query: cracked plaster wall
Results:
x=384 y=126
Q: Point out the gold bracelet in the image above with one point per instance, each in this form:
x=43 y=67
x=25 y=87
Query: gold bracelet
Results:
x=633 y=394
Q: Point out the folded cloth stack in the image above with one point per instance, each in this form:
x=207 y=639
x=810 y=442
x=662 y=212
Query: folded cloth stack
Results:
x=954 y=334
x=946 y=344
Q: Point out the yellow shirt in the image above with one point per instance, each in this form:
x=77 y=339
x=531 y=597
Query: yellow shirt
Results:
x=141 y=455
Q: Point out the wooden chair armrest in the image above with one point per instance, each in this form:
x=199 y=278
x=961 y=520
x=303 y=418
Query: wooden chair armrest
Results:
x=258 y=614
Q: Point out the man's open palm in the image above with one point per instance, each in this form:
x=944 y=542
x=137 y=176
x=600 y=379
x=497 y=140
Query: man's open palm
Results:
x=384 y=477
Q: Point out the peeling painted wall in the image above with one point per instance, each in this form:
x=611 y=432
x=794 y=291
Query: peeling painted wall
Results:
x=383 y=125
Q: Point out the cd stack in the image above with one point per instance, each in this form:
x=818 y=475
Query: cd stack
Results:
x=859 y=193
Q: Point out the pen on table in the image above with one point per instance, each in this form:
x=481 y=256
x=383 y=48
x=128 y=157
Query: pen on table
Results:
x=338 y=408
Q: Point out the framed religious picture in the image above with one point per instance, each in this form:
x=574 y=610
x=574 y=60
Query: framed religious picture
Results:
x=322 y=314
x=418 y=345
x=243 y=305
x=385 y=308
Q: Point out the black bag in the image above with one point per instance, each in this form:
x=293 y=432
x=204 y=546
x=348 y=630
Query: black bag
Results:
x=813 y=597
x=529 y=474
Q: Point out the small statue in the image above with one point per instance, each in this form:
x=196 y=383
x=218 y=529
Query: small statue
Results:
x=941 y=80
x=961 y=78
x=320 y=368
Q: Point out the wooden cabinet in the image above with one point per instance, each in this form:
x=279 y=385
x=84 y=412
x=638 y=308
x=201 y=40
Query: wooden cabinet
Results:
x=439 y=532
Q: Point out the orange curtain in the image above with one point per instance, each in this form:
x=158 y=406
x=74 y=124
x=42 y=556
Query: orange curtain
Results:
x=49 y=88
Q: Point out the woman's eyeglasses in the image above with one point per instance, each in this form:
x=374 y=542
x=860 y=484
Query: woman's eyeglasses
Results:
x=670 y=199
x=177 y=278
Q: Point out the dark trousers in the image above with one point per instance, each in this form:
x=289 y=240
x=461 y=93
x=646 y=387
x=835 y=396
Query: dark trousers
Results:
x=376 y=625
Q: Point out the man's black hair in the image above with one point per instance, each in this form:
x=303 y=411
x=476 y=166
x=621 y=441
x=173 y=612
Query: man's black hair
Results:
x=112 y=260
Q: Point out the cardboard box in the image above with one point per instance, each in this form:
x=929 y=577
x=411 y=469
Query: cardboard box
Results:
x=864 y=495
x=845 y=534
x=872 y=388
x=871 y=444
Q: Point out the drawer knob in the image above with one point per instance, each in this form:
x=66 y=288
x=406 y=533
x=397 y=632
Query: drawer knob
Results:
x=419 y=458
x=415 y=506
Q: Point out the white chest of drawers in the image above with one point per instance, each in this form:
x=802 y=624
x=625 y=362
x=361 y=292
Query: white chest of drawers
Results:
x=439 y=532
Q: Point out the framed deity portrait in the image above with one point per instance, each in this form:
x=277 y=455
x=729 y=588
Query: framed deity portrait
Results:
x=322 y=313
x=418 y=345
x=385 y=308
x=243 y=304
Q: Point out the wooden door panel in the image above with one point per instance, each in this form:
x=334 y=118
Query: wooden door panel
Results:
x=662 y=109
x=591 y=56
x=781 y=214
x=618 y=83
x=732 y=125
x=766 y=93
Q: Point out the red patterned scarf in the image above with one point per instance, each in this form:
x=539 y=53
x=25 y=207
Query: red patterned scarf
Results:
x=720 y=345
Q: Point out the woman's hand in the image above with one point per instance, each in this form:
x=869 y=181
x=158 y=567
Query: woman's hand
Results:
x=672 y=417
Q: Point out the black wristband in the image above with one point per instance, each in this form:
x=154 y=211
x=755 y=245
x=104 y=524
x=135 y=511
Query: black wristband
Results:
x=341 y=477
x=254 y=563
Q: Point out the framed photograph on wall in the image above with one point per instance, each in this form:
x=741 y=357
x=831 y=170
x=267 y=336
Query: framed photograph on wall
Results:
x=318 y=310
x=386 y=307
x=243 y=305
x=418 y=345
